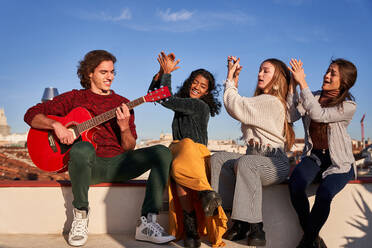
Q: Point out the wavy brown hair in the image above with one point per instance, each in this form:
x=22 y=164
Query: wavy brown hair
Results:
x=348 y=75
x=278 y=86
x=91 y=60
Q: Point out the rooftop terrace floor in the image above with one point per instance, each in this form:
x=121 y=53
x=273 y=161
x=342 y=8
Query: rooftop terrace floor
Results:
x=94 y=241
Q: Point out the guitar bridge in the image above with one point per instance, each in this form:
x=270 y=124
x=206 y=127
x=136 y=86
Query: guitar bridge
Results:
x=52 y=143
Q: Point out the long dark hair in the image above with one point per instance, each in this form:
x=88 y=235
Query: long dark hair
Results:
x=213 y=90
x=348 y=75
x=91 y=60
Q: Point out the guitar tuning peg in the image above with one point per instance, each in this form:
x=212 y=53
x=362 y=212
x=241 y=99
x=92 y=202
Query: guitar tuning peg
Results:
x=155 y=88
x=166 y=99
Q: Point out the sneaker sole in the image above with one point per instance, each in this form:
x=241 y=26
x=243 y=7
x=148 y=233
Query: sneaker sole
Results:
x=154 y=242
x=77 y=244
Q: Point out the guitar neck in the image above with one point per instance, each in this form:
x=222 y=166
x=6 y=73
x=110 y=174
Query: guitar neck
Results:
x=99 y=119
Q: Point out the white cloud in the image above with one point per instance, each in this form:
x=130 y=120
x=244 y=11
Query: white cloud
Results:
x=181 y=15
x=188 y=21
x=175 y=21
x=104 y=16
x=125 y=15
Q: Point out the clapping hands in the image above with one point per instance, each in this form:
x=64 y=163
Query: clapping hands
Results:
x=298 y=73
x=167 y=63
x=233 y=69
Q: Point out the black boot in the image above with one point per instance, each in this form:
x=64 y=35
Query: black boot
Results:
x=317 y=243
x=321 y=243
x=210 y=200
x=256 y=236
x=191 y=238
x=303 y=243
x=238 y=231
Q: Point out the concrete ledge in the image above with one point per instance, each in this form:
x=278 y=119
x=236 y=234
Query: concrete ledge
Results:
x=65 y=183
x=45 y=208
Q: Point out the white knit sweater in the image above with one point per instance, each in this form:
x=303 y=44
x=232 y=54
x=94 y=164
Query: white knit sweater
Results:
x=262 y=117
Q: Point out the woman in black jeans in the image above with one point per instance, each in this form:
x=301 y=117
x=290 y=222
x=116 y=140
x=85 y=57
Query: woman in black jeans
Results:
x=327 y=155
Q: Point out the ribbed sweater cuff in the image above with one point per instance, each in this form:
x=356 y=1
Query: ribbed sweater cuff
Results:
x=305 y=93
x=229 y=84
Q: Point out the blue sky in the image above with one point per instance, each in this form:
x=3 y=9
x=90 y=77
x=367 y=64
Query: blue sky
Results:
x=42 y=42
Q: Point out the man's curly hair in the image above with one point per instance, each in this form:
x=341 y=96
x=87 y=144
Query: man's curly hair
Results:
x=213 y=90
x=90 y=62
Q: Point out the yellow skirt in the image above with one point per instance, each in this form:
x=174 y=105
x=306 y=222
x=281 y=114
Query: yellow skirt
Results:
x=191 y=169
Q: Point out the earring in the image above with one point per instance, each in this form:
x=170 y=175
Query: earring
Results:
x=275 y=87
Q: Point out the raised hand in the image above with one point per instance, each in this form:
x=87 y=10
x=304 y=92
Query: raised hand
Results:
x=167 y=62
x=233 y=69
x=298 y=73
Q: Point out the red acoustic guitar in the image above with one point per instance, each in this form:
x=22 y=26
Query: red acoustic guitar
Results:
x=49 y=154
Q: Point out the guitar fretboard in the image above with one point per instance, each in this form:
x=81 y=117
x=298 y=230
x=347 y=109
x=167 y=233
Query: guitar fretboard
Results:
x=99 y=119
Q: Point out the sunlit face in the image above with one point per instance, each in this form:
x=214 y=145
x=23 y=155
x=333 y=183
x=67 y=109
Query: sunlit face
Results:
x=332 y=80
x=265 y=75
x=199 y=87
x=101 y=78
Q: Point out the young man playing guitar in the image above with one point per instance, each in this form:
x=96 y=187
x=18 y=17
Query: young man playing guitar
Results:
x=114 y=158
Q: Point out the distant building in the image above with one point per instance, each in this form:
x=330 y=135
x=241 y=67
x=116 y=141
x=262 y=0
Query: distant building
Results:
x=6 y=138
x=299 y=145
x=14 y=139
x=213 y=145
x=4 y=128
x=226 y=145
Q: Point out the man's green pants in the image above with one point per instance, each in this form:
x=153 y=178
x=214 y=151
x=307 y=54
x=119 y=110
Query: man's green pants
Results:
x=85 y=169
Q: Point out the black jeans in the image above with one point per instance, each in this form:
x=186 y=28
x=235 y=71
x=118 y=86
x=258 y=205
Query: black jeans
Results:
x=304 y=174
x=86 y=169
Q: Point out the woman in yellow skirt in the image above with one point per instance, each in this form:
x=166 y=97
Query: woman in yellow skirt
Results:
x=194 y=208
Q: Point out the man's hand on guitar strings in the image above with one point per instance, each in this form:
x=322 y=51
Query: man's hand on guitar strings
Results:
x=122 y=116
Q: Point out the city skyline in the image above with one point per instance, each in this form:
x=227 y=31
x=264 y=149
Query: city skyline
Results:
x=43 y=42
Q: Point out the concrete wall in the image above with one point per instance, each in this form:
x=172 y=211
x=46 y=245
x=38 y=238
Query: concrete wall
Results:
x=37 y=210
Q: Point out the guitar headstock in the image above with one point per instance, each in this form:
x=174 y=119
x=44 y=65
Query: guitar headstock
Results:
x=158 y=94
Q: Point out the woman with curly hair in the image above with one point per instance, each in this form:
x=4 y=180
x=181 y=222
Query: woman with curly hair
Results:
x=327 y=156
x=194 y=208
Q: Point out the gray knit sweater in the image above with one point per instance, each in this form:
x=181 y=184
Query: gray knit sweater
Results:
x=191 y=115
x=338 y=119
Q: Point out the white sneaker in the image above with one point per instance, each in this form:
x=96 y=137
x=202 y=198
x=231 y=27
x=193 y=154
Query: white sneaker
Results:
x=149 y=230
x=78 y=235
